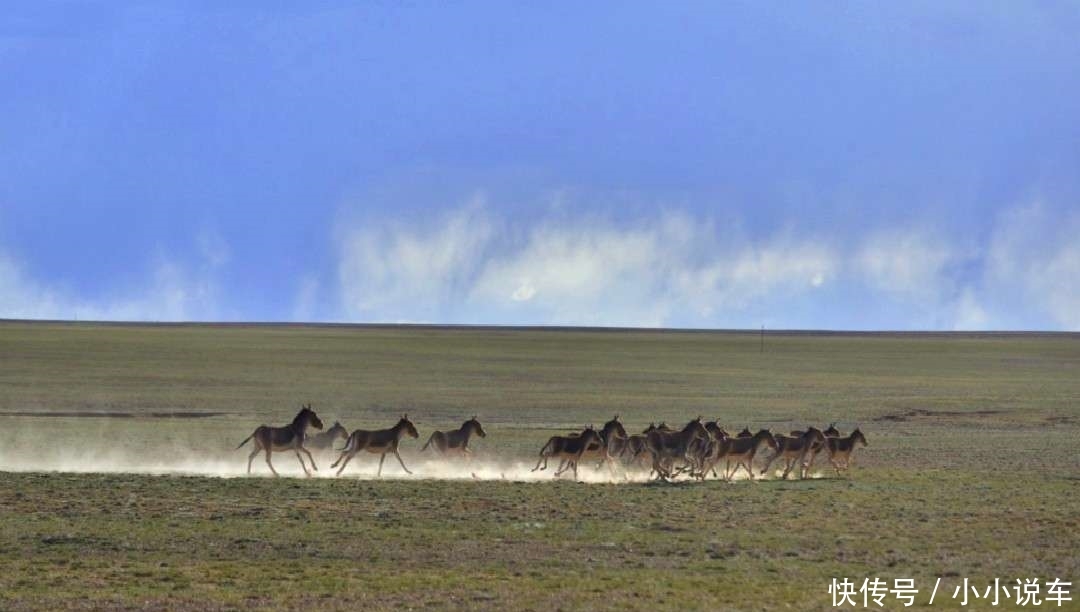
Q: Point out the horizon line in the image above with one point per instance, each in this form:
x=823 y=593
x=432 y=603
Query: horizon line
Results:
x=540 y=327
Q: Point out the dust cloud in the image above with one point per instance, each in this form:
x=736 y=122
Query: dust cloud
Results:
x=107 y=447
x=364 y=466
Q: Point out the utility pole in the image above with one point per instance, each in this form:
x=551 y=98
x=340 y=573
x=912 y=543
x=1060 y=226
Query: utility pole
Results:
x=762 y=338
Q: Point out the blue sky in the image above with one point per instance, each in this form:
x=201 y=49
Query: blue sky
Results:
x=830 y=165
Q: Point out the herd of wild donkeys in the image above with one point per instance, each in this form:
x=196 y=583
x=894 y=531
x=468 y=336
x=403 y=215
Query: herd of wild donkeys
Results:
x=695 y=450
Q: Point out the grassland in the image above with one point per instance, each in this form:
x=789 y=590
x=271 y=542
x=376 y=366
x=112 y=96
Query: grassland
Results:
x=972 y=469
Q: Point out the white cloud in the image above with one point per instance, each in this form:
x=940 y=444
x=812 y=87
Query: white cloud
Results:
x=921 y=275
x=1027 y=274
x=668 y=270
x=171 y=293
x=21 y=298
x=524 y=292
x=1033 y=263
x=1059 y=284
x=909 y=263
x=393 y=273
x=676 y=269
x=575 y=276
x=969 y=314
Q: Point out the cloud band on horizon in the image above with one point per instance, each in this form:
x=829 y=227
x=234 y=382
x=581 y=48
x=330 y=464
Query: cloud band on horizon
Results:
x=668 y=268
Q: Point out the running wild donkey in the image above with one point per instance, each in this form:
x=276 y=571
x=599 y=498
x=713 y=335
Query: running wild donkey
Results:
x=325 y=439
x=382 y=442
x=290 y=437
x=455 y=441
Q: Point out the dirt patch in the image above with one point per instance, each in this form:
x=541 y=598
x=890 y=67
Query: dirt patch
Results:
x=922 y=412
x=111 y=414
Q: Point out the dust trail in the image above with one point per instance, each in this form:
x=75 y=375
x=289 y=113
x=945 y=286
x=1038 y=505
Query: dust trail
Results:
x=362 y=467
x=105 y=446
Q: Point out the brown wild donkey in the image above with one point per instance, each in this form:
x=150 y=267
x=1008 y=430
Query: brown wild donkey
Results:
x=741 y=451
x=457 y=440
x=381 y=441
x=815 y=450
x=325 y=439
x=614 y=436
x=702 y=448
x=612 y=442
x=568 y=449
x=289 y=437
x=795 y=449
x=668 y=447
x=634 y=451
x=842 y=449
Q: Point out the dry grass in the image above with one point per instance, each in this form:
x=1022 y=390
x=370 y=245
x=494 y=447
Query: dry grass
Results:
x=971 y=469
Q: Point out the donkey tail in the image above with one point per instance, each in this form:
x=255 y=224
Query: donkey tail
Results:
x=245 y=441
x=550 y=444
x=428 y=443
x=347 y=447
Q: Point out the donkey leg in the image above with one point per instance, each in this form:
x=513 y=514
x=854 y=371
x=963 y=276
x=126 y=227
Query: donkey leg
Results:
x=310 y=458
x=607 y=460
x=658 y=468
x=738 y=464
x=788 y=463
x=706 y=465
x=542 y=459
x=804 y=465
x=768 y=463
x=270 y=464
x=347 y=457
x=302 y=466
x=251 y=457
x=564 y=465
x=401 y=462
x=382 y=458
x=622 y=468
